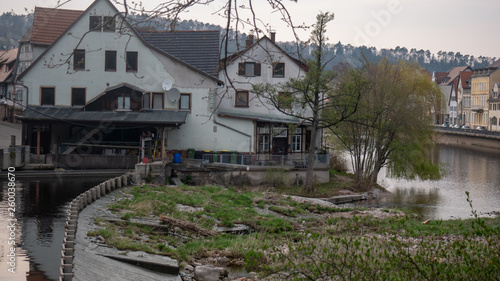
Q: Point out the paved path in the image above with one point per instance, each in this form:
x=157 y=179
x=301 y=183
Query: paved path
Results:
x=6 y=130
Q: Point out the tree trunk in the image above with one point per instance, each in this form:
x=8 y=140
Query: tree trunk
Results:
x=308 y=186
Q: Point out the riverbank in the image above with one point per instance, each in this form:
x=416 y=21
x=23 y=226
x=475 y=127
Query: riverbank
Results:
x=262 y=232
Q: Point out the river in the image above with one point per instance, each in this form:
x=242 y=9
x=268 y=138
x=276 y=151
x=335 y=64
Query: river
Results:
x=476 y=170
x=41 y=201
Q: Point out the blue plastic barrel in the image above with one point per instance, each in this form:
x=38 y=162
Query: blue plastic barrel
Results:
x=177 y=158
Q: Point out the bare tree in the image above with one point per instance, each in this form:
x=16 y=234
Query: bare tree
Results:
x=319 y=99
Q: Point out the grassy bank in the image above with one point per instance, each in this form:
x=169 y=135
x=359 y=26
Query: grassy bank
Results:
x=286 y=239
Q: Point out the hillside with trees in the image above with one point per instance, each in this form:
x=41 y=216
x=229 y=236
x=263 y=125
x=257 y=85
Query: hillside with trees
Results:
x=13 y=27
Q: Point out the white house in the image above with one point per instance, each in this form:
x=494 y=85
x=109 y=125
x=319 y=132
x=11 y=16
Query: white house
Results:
x=100 y=85
x=256 y=125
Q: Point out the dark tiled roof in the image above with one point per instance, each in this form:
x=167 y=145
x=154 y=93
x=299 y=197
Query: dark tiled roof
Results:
x=49 y=24
x=64 y=114
x=197 y=48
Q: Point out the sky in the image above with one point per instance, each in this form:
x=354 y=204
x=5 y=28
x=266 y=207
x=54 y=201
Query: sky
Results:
x=468 y=27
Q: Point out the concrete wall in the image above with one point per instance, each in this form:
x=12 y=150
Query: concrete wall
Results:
x=14 y=157
x=469 y=139
x=91 y=161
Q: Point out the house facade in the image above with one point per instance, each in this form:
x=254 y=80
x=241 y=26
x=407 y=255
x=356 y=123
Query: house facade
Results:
x=9 y=98
x=101 y=88
x=494 y=108
x=260 y=128
x=482 y=83
x=448 y=84
x=464 y=98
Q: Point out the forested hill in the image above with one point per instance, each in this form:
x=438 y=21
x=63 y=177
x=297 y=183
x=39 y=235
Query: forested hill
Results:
x=13 y=27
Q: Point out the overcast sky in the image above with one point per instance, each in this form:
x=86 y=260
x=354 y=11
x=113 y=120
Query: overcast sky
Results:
x=469 y=27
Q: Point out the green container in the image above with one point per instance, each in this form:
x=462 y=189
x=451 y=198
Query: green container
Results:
x=190 y=152
x=234 y=157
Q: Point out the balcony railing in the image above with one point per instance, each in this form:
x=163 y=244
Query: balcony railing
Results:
x=293 y=160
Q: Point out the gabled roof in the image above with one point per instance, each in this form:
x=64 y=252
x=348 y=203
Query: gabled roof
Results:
x=6 y=57
x=455 y=72
x=234 y=56
x=49 y=24
x=440 y=76
x=132 y=29
x=464 y=76
x=197 y=48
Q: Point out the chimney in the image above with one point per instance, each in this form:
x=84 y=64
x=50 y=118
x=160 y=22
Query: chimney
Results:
x=273 y=36
x=249 y=41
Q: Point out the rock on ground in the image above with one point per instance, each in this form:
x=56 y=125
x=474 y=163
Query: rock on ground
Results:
x=209 y=273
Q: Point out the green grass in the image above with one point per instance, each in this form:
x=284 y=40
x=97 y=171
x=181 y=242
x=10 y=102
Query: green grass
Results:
x=310 y=239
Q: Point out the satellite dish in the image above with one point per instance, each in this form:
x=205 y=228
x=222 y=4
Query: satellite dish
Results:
x=173 y=95
x=166 y=84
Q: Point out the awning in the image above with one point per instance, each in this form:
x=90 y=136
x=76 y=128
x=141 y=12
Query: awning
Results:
x=259 y=117
x=75 y=115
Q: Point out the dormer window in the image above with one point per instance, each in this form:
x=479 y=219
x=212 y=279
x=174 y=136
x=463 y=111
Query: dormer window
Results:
x=102 y=23
x=123 y=103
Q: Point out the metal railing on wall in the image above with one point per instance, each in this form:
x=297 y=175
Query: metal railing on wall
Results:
x=294 y=160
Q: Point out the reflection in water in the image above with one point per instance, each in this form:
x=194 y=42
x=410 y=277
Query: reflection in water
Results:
x=41 y=204
x=476 y=171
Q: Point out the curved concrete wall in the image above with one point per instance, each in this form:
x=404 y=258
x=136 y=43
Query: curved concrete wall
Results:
x=75 y=207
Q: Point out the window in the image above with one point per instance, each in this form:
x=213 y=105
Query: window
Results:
x=145 y=101
x=109 y=24
x=100 y=23
x=241 y=99
x=297 y=143
x=95 y=23
x=264 y=143
x=131 y=61
x=110 y=61
x=285 y=100
x=249 y=69
x=123 y=103
x=78 y=96
x=79 y=59
x=48 y=96
x=157 y=101
x=185 y=102
x=279 y=70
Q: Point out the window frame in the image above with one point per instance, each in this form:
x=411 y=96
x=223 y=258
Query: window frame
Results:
x=108 y=24
x=189 y=102
x=244 y=102
x=256 y=69
x=162 y=99
x=264 y=140
x=78 y=59
x=276 y=68
x=132 y=67
x=95 y=25
x=42 y=95
x=73 y=97
x=123 y=106
x=108 y=58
